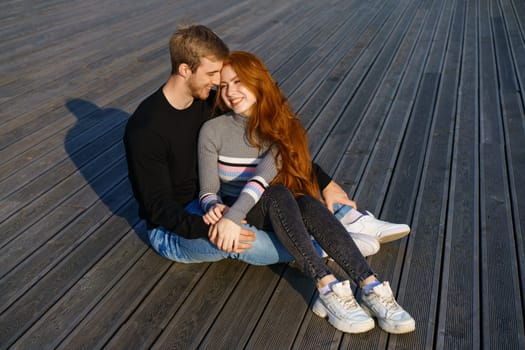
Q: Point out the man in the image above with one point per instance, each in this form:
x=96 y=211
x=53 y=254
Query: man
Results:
x=161 y=151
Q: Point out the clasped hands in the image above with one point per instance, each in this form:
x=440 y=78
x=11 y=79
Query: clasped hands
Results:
x=226 y=234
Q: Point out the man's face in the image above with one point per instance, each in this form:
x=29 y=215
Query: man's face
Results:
x=204 y=78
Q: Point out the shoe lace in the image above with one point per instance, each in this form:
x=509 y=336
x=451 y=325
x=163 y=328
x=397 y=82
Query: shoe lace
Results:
x=348 y=302
x=390 y=303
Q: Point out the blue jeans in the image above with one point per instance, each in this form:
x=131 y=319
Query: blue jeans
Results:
x=266 y=250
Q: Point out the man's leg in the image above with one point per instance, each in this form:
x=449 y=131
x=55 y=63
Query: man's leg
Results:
x=179 y=249
x=266 y=249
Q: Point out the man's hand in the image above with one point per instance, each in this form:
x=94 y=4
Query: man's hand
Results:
x=333 y=193
x=225 y=234
x=245 y=237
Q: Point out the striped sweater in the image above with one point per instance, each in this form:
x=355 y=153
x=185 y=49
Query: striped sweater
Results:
x=230 y=167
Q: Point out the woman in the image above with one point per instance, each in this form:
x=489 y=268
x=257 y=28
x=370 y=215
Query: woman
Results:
x=261 y=142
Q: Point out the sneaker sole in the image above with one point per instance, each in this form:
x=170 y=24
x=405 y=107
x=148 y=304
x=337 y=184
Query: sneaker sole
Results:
x=407 y=328
x=393 y=237
x=401 y=329
x=363 y=327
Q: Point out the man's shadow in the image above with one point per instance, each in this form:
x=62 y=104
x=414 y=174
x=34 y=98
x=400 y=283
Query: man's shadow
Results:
x=95 y=146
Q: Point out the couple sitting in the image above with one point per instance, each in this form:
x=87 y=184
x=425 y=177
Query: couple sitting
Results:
x=260 y=193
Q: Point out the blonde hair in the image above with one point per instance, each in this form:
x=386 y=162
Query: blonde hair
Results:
x=190 y=43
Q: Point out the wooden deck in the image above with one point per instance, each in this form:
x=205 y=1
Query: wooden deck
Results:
x=415 y=107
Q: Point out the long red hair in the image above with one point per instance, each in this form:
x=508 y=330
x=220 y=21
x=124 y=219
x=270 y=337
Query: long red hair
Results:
x=273 y=123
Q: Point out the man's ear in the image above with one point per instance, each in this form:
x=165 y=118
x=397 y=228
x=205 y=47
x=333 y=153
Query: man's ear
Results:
x=184 y=70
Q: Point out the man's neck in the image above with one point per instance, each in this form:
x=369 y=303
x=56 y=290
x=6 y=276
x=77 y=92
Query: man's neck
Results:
x=177 y=93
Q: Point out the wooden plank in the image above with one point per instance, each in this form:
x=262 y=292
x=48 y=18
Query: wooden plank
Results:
x=498 y=261
x=99 y=325
x=241 y=312
x=55 y=175
x=64 y=316
x=316 y=105
x=80 y=152
x=279 y=324
x=87 y=115
x=145 y=325
x=56 y=280
x=67 y=191
x=423 y=258
x=315 y=60
x=80 y=57
x=514 y=129
x=405 y=183
x=34 y=233
x=189 y=325
x=349 y=116
x=360 y=151
x=122 y=31
x=284 y=49
x=60 y=245
x=514 y=28
x=461 y=281
x=375 y=182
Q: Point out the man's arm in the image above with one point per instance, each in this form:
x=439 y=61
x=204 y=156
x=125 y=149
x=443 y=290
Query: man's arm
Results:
x=150 y=178
x=331 y=191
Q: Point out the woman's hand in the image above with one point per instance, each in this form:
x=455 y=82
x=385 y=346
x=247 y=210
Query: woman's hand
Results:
x=215 y=214
x=225 y=233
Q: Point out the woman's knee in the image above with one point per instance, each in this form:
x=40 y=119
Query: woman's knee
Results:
x=307 y=203
x=279 y=192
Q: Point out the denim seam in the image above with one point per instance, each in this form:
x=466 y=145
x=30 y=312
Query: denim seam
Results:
x=316 y=274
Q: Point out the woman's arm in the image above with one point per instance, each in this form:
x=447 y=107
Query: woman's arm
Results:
x=252 y=191
x=208 y=154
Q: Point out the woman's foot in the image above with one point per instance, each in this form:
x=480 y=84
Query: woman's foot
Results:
x=342 y=310
x=379 y=302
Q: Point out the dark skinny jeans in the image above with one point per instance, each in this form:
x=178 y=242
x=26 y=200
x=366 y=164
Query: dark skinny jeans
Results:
x=294 y=220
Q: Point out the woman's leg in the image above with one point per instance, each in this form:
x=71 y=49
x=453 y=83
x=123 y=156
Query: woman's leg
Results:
x=377 y=297
x=334 y=239
x=336 y=300
x=278 y=208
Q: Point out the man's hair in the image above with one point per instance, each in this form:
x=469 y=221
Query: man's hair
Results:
x=190 y=43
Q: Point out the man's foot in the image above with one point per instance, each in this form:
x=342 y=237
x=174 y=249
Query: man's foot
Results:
x=391 y=317
x=367 y=244
x=342 y=310
x=382 y=230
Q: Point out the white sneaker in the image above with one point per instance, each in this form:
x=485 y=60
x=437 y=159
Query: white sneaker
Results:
x=382 y=230
x=391 y=317
x=367 y=244
x=342 y=310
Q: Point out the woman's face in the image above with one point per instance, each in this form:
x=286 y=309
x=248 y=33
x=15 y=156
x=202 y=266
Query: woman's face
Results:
x=234 y=94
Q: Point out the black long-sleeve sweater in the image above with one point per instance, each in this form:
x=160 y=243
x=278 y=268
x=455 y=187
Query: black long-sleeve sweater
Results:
x=161 y=152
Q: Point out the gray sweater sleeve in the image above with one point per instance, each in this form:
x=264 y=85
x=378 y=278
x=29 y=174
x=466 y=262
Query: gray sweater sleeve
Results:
x=265 y=172
x=208 y=151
